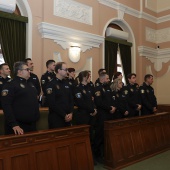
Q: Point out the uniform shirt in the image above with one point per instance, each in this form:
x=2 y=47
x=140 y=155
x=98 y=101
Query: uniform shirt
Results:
x=45 y=78
x=72 y=84
x=103 y=97
x=19 y=102
x=59 y=97
x=3 y=81
x=148 y=99
x=83 y=99
x=91 y=87
x=35 y=81
x=133 y=97
x=121 y=103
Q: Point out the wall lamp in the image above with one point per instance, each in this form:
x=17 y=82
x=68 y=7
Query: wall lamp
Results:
x=74 y=53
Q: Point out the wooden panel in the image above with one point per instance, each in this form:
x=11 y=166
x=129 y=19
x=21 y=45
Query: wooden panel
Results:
x=59 y=149
x=134 y=139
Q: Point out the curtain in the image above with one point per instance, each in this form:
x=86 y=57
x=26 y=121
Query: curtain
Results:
x=125 y=54
x=13 y=41
x=110 y=57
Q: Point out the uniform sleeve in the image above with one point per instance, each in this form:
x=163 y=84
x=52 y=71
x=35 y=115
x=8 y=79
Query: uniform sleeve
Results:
x=43 y=84
x=144 y=99
x=52 y=101
x=7 y=97
x=81 y=102
x=99 y=101
x=37 y=84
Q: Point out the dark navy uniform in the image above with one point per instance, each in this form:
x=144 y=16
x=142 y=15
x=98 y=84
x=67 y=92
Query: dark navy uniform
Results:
x=133 y=98
x=85 y=104
x=91 y=87
x=121 y=104
x=148 y=99
x=72 y=84
x=45 y=79
x=35 y=81
x=60 y=100
x=20 y=105
x=2 y=83
x=103 y=101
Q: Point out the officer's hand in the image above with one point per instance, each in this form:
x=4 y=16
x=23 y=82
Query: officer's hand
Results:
x=18 y=130
x=68 y=117
x=126 y=113
x=113 y=109
x=139 y=107
x=154 y=109
x=94 y=114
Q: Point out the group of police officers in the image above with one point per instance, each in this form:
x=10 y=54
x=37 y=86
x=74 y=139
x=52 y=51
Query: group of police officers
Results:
x=62 y=92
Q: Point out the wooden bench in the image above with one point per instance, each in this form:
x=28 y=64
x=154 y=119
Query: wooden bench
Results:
x=59 y=149
x=130 y=140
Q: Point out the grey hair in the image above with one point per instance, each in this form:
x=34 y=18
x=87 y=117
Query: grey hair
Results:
x=18 y=66
x=114 y=85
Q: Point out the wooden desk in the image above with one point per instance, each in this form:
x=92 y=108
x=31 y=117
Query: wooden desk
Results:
x=59 y=149
x=130 y=140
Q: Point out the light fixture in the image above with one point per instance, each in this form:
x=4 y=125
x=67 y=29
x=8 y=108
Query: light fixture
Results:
x=74 y=54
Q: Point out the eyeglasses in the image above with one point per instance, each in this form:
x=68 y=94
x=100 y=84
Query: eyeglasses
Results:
x=27 y=69
x=66 y=69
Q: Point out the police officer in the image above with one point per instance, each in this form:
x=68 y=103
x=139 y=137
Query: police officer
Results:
x=47 y=77
x=149 y=102
x=101 y=70
x=4 y=76
x=105 y=108
x=19 y=102
x=33 y=77
x=120 y=96
x=60 y=98
x=133 y=96
x=90 y=84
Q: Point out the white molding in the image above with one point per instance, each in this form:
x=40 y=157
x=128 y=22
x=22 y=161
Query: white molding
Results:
x=133 y=12
x=67 y=37
x=73 y=10
x=26 y=11
x=157 y=36
x=156 y=56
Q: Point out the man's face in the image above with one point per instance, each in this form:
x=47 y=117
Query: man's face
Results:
x=106 y=79
x=5 y=70
x=30 y=65
x=150 y=80
x=52 y=66
x=63 y=71
x=24 y=72
x=132 y=80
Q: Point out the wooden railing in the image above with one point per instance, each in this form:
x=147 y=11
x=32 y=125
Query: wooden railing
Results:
x=59 y=149
x=130 y=140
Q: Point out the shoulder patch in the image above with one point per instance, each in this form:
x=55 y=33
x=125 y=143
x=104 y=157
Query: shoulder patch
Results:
x=97 y=84
x=49 y=90
x=42 y=81
x=4 y=92
x=126 y=92
x=98 y=93
x=78 y=95
x=1 y=82
x=142 y=91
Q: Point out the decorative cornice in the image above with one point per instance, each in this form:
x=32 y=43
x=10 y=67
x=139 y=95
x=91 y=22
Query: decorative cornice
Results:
x=133 y=12
x=73 y=10
x=67 y=37
x=157 y=36
x=156 y=56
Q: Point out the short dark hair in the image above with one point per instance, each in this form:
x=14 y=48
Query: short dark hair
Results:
x=147 y=76
x=101 y=70
x=27 y=59
x=59 y=66
x=71 y=70
x=83 y=74
x=49 y=62
x=129 y=76
x=18 y=66
x=4 y=64
x=115 y=76
x=102 y=75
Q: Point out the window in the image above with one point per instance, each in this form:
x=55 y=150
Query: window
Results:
x=1 y=56
x=120 y=67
